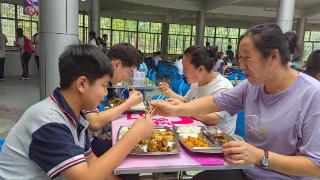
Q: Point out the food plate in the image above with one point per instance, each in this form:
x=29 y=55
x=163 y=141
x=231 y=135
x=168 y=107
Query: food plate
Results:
x=206 y=139
x=163 y=142
x=137 y=108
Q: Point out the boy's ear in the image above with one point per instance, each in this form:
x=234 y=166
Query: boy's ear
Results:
x=82 y=83
x=116 y=63
x=201 y=68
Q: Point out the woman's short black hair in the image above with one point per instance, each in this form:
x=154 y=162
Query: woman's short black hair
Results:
x=126 y=53
x=313 y=63
x=82 y=60
x=269 y=37
x=199 y=56
x=19 y=32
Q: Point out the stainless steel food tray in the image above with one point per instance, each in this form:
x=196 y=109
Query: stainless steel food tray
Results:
x=142 y=149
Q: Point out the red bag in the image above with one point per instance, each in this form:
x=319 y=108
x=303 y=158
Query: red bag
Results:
x=27 y=46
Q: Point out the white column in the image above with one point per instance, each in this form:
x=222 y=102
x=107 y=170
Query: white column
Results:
x=58 y=29
x=200 y=28
x=95 y=16
x=285 y=14
x=300 y=30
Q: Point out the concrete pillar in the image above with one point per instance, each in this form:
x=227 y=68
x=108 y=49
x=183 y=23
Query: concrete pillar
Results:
x=58 y=29
x=200 y=28
x=95 y=16
x=285 y=14
x=164 y=38
x=300 y=30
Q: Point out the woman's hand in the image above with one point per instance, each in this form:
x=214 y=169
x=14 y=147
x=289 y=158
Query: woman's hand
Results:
x=174 y=101
x=240 y=152
x=162 y=108
x=165 y=88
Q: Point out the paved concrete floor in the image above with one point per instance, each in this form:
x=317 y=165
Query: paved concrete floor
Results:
x=15 y=97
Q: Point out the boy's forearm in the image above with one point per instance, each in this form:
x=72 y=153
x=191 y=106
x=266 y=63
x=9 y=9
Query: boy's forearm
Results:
x=101 y=119
x=110 y=160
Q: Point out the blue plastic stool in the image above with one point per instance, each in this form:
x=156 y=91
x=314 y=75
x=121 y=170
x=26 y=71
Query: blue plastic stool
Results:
x=1 y=143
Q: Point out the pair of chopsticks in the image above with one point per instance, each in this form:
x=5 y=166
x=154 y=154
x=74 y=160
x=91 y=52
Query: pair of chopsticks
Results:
x=150 y=112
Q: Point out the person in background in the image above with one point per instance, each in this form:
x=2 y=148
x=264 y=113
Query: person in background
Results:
x=313 y=64
x=295 y=58
x=105 y=43
x=179 y=65
x=23 y=43
x=142 y=65
x=124 y=59
x=100 y=43
x=207 y=45
x=93 y=39
x=3 y=42
x=50 y=141
x=197 y=68
x=282 y=113
x=229 y=54
x=219 y=61
x=35 y=42
x=157 y=58
x=213 y=50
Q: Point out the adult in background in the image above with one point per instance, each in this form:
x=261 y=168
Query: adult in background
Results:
x=93 y=39
x=313 y=64
x=105 y=43
x=3 y=41
x=229 y=54
x=25 y=46
x=295 y=58
x=35 y=42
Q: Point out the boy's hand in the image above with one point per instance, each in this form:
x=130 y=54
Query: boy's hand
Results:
x=164 y=88
x=143 y=127
x=135 y=98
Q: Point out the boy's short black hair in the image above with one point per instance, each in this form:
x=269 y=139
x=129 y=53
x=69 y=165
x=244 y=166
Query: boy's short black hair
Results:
x=82 y=60
x=126 y=53
x=199 y=56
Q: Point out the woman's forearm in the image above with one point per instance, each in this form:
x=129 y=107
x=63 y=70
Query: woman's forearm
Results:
x=293 y=165
x=200 y=106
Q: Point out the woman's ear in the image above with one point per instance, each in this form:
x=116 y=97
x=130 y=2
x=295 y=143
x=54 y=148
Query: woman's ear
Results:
x=275 y=57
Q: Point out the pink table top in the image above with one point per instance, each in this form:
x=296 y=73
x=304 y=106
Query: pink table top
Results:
x=183 y=161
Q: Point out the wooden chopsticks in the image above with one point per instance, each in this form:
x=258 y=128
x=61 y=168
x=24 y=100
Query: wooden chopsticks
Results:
x=150 y=112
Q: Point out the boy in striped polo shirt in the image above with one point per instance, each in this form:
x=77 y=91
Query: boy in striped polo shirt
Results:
x=51 y=138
